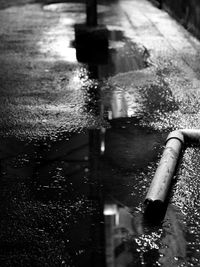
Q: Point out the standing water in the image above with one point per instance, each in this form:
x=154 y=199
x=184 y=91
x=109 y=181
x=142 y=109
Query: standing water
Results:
x=74 y=176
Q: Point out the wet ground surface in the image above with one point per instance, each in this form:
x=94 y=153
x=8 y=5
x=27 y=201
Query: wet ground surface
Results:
x=80 y=142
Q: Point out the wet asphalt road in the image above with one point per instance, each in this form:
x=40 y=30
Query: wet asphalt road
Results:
x=77 y=138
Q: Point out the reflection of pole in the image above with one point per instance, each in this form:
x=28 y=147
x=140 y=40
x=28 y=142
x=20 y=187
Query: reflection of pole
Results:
x=91 y=11
x=95 y=137
x=97 y=227
x=94 y=154
x=110 y=213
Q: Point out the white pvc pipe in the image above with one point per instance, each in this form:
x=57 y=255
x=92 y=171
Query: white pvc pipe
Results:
x=161 y=182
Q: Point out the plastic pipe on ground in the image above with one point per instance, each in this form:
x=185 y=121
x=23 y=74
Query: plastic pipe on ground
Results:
x=161 y=182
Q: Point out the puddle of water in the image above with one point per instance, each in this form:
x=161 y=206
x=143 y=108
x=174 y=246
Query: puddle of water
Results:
x=56 y=195
x=54 y=192
x=76 y=199
x=120 y=57
x=52 y=195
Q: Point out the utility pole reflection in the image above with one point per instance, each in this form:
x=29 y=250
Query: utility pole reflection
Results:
x=112 y=222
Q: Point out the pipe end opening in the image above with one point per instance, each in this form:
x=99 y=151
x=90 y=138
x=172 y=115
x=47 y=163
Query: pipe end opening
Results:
x=154 y=211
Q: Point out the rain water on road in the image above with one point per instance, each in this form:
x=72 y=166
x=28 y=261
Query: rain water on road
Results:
x=78 y=152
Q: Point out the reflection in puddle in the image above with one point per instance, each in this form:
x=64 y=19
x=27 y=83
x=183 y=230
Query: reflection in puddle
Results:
x=117 y=229
x=122 y=54
x=54 y=191
x=132 y=242
x=58 y=210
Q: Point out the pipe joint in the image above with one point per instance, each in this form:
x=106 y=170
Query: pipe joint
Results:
x=176 y=135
